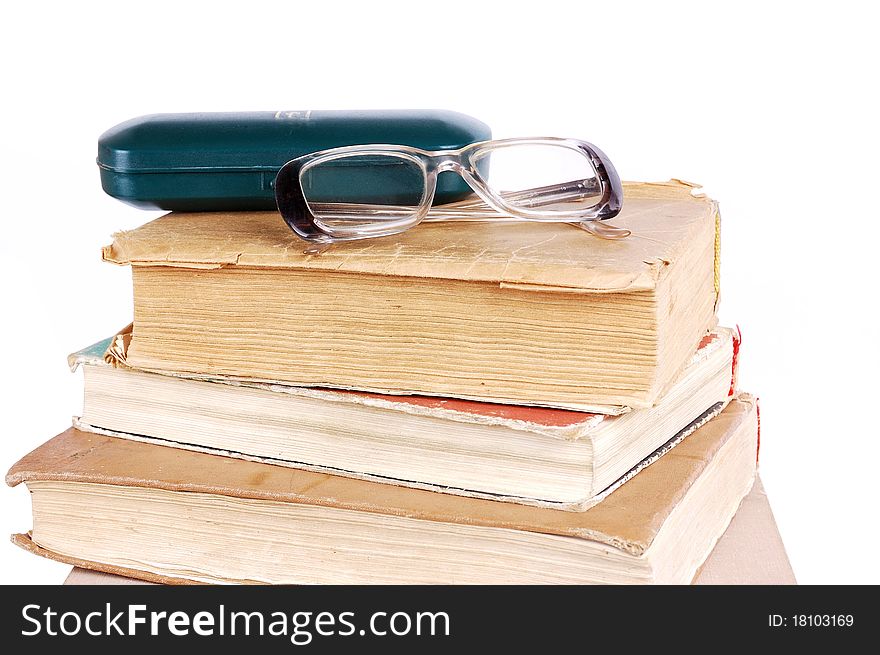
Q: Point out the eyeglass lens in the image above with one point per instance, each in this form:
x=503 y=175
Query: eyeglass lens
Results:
x=359 y=189
x=552 y=178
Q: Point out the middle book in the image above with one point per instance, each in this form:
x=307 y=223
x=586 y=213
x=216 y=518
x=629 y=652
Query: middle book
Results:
x=532 y=455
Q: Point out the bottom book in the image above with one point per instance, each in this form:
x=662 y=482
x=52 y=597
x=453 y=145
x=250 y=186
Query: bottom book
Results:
x=751 y=552
x=166 y=515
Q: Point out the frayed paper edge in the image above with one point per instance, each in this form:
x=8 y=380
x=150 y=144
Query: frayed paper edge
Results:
x=575 y=506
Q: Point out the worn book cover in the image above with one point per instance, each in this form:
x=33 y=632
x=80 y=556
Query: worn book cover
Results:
x=751 y=552
x=521 y=313
x=640 y=523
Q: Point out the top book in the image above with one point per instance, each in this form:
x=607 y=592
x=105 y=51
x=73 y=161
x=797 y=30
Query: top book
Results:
x=525 y=313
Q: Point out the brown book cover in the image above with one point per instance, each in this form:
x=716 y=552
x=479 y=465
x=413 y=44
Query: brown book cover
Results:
x=628 y=520
x=565 y=319
x=556 y=256
x=751 y=552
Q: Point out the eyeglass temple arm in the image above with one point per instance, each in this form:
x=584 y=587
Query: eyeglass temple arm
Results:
x=538 y=196
x=476 y=211
x=530 y=197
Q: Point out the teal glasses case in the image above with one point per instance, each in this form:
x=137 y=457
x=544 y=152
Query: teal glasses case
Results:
x=228 y=161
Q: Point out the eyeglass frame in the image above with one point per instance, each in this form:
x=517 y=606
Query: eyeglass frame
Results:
x=294 y=208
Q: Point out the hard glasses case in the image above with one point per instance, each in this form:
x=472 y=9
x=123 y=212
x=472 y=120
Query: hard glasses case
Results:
x=228 y=161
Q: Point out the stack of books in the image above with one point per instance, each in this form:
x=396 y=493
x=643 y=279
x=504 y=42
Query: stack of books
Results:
x=463 y=403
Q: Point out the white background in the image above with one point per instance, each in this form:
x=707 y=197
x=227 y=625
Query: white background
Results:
x=771 y=106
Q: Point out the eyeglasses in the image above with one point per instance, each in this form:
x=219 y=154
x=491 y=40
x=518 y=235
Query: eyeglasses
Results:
x=359 y=192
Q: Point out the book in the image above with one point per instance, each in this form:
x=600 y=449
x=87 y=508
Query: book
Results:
x=750 y=552
x=521 y=313
x=532 y=455
x=169 y=515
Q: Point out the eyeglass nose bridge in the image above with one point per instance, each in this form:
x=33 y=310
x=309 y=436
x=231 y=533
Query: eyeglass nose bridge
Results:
x=443 y=163
x=452 y=162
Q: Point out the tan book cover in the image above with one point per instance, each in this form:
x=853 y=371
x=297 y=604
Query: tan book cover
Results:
x=751 y=552
x=629 y=521
x=555 y=256
x=524 y=313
